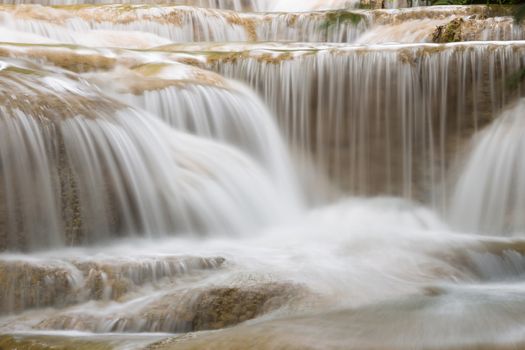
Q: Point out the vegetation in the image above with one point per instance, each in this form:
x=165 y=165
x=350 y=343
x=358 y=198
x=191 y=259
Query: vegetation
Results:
x=451 y=32
x=519 y=12
x=515 y=79
x=519 y=15
x=477 y=2
x=334 y=18
x=448 y=33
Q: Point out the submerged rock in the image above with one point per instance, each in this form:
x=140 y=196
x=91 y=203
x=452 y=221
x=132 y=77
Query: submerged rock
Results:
x=30 y=284
x=186 y=311
x=24 y=285
x=409 y=322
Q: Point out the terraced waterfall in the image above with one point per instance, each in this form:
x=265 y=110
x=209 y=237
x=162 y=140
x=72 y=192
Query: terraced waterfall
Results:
x=252 y=174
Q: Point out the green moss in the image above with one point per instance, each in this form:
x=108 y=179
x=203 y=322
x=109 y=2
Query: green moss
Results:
x=335 y=18
x=516 y=79
x=519 y=14
x=448 y=33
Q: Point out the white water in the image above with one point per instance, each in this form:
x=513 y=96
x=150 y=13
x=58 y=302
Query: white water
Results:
x=237 y=5
x=150 y=26
x=142 y=195
x=360 y=255
x=489 y=193
x=396 y=139
x=152 y=179
x=154 y=26
x=234 y=116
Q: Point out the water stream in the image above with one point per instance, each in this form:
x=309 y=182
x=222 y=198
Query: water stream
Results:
x=261 y=174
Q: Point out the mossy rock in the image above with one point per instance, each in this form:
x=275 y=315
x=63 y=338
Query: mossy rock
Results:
x=449 y=33
x=339 y=17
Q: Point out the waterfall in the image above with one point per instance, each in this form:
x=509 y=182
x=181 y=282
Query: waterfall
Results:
x=237 y=5
x=81 y=168
x=325 y=174
x=398 y=140
x=489 y=194
x=220 y=4
x=136 y=26
x=233 y=116
x=176 y=23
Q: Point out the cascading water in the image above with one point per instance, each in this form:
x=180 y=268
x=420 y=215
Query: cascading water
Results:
x=234 y=117
x=149 y=26
x=237 y=5
x=489 y=195
x=397 y=140
x=94 y=157
x=340 y=177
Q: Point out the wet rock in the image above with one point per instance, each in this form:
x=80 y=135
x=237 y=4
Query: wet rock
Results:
x=478 y=28
x=371 y=4
x=448 y=33
x=25 y=285
x=31 y=284
x=185 y=311
x=225 y=306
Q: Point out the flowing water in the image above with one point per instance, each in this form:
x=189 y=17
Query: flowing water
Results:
x=237 y=5
x=261 y=174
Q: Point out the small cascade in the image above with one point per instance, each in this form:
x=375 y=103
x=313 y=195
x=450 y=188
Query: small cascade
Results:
x=489 y=194
x=237 y=5
x=303 y=6
x=142 y=27
x=38 y=282
x=138 y=26
x=186 y=97
x=183 y=24
x=398 y=140
x=179 y=24
x=342 y=171
x=225 y=111
x=429 y=24
x=71 y=168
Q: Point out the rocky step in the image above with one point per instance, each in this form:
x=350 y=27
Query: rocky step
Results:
x=188 y=310
x=34 y=283
x=146 y=26
x=452 y=89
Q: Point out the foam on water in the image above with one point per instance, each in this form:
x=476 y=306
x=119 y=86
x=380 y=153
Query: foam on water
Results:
x=151 y=194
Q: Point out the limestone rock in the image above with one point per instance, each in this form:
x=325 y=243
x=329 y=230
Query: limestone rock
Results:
x=449 y=33
x=225 y=306
x=187 y=310
x=32 y=284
